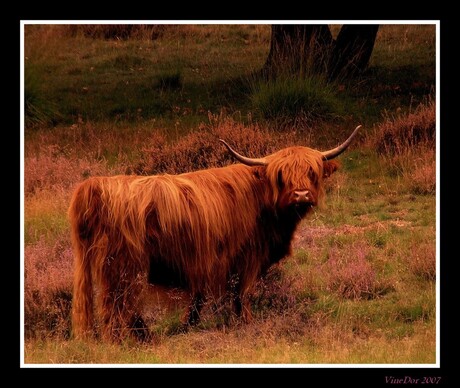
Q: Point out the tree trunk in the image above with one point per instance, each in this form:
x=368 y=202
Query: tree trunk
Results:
x=352 y=50
x=294 y=49
x=310 y=49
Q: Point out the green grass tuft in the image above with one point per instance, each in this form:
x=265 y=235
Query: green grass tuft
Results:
x=37 y=108
x=171 y=80
x=288 y=98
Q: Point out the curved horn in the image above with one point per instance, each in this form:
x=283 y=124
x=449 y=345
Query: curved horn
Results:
x=331 y=154
x=244 y=159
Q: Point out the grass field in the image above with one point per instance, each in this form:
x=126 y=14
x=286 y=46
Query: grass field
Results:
x=360 y=287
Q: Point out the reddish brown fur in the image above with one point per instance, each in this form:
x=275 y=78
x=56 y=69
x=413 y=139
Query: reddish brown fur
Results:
x=194 y=230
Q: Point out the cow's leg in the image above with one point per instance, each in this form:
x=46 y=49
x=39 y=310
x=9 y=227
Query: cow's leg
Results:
x=195 y=307
x=241 y=303
x=120 y=293
x=139 y=328
x=130 y=315
x=242 y=308
x=106 y=313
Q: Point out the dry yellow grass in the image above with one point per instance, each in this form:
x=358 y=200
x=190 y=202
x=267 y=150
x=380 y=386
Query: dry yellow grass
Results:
x=407 y=144
x=330 y=344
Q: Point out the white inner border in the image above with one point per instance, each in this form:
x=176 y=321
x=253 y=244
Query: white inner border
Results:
x=438 y=189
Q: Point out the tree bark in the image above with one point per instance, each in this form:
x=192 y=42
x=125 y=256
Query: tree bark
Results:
x=352 y=50
x=301 y=50
x=294 y=49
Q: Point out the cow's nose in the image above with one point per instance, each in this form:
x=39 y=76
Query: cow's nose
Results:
x=302 y=196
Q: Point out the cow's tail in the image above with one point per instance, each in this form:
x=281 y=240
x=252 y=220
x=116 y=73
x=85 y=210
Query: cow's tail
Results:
x=83 y=219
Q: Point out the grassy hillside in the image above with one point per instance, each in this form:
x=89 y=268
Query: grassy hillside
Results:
x=361 y=284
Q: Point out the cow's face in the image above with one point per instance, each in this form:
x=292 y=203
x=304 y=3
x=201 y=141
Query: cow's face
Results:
x=296 y=176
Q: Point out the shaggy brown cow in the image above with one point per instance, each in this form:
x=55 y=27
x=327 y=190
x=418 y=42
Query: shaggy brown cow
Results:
x=196 y=230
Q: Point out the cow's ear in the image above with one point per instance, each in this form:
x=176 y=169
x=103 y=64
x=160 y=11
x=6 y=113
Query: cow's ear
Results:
x=330 y=167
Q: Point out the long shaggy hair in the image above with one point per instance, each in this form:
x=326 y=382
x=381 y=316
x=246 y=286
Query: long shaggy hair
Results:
x=195 y=230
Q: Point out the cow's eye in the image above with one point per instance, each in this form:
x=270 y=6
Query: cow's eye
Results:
x=280 y=179
x=312 y=176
